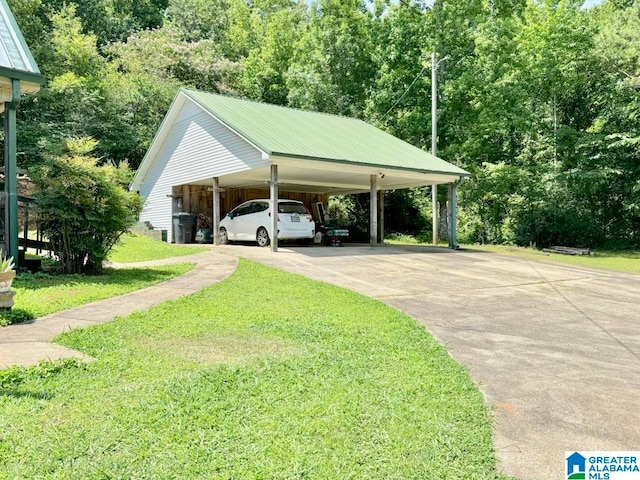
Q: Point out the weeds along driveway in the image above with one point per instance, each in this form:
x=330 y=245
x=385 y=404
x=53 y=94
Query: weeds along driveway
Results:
x=554 y=348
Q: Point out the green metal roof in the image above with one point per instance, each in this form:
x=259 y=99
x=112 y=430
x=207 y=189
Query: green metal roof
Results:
x=290 y=132
x=14 y=52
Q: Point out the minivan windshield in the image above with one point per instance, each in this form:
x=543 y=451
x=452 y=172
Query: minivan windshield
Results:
x=291 y=207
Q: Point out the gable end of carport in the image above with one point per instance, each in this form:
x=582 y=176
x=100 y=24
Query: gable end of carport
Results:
x=191 y=145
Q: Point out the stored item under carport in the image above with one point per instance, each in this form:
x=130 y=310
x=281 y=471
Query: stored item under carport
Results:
x=334 y=236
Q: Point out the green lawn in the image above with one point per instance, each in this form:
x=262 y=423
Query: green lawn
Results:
x=138 y=248
x=41 y=294
x=622 y=261
x=265 y=375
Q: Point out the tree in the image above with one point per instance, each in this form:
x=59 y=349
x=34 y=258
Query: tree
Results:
x=83 y=208
x=33 y=18
x=163 y=56
x=537 y=98
x=264 y=74
x=332 y=68
x=70 y=103
x=199 y=19
x=400 y=100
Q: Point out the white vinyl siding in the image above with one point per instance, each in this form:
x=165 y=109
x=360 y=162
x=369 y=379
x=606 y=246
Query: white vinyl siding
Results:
x=196 y=148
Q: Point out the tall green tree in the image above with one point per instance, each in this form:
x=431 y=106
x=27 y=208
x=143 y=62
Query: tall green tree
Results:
x=277 y=34
x=400 y=100
x=332 y=68
x=196 y=20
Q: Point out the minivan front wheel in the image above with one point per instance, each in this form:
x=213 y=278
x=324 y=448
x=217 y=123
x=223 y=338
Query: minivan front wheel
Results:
x=262 y=237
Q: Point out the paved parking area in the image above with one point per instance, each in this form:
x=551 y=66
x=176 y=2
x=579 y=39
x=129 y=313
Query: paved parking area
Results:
x=555 y=349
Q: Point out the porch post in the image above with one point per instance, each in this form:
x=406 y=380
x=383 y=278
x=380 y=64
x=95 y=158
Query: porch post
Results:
x=381 y=216
x=373 y=211
x=11 y=173
x=216 y=211
x=273 y=188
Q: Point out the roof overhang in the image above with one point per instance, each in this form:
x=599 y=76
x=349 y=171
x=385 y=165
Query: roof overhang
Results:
x=32 y=85
x=327 y=177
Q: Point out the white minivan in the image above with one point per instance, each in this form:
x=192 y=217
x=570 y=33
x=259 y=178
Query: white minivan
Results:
x=251 y=221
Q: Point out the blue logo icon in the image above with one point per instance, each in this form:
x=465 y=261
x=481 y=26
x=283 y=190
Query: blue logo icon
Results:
x=576 y=467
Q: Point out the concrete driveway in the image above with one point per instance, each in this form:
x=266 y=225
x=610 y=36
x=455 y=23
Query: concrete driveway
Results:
x=555 y=349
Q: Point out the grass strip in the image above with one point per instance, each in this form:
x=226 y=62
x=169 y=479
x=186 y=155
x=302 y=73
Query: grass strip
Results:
x=617 y=260
x=621 y=261
x=265 y=375
x=139 y=248
x=41 y=294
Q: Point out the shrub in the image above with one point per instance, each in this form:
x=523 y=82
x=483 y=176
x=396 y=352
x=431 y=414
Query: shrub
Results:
x=15 y=315
x=83 y=208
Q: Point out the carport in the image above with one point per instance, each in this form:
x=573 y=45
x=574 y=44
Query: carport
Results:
x=224 y=144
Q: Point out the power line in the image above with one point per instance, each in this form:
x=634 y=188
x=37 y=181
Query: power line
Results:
x=405 y=92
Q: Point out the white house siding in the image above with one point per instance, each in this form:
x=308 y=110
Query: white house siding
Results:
x=197 y=147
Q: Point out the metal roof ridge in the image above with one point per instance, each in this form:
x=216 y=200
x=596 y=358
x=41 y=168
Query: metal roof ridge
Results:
x=299 y=109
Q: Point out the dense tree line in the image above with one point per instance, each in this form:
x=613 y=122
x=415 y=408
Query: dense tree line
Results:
x=539 y=99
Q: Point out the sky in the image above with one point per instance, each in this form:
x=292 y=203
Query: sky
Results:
x=587 y=3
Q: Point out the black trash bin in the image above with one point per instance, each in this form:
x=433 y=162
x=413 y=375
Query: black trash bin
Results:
x=183 y=227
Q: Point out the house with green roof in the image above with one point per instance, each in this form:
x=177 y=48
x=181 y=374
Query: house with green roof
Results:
x=213 y=152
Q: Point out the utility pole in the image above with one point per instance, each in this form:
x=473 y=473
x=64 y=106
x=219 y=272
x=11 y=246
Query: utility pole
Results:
x=434 y=141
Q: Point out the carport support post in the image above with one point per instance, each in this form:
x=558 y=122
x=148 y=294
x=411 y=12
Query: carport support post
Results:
x=434 y=216
x=216 y=211
x=450 y=214
x=454 y=208
x=273 y=188
x=373 y=211
x=381 y=216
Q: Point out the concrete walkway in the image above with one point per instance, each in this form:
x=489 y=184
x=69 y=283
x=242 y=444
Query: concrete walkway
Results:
x=29 y=343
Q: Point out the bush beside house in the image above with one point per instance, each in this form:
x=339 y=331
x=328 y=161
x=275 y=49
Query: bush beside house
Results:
x=83 y=207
